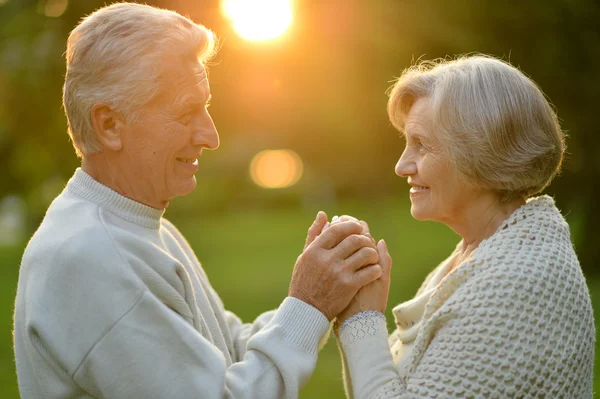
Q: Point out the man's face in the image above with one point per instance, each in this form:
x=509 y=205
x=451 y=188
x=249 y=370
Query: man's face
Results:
x=161 y=147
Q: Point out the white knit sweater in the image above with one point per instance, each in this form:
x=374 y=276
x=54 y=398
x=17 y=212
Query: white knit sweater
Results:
x=112 y=303
x=513 y=321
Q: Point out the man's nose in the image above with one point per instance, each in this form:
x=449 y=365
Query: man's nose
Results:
x=206 y=136
x=405 y=166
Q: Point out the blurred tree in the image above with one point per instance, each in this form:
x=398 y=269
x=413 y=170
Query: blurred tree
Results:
x=319 y=90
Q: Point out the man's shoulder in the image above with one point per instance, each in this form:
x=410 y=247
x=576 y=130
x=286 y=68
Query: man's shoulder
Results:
x=71 y=228
x=73 y=257
x=170 y=227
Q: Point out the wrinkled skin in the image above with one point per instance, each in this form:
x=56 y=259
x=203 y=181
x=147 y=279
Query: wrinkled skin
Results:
x=334 y=265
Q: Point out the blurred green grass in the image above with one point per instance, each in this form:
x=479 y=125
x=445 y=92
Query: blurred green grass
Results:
x=249 y=257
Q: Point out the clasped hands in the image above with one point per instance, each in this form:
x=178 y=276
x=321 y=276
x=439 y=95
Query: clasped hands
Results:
x=342 y=270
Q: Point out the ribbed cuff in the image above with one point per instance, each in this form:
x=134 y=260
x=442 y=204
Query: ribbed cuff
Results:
x=302 y=323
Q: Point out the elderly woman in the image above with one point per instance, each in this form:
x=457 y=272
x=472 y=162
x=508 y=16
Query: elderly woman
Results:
x=508 y=313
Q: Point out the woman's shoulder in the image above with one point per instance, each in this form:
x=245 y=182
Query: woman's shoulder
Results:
x=535 y=236
x=529 y=258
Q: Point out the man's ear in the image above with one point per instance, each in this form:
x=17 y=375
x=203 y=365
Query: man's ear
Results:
x=109 y=125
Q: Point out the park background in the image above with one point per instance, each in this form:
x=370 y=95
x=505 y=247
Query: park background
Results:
x=318 y=90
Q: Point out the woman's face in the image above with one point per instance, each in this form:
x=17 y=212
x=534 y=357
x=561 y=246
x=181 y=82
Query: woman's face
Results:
x=438 y=191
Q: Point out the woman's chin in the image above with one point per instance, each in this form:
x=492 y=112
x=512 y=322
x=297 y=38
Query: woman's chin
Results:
x=418 y=214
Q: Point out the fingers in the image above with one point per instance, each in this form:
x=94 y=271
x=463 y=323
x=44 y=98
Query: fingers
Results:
x=364 y=256
x=316 y=228
x=385 y=260
x=367 y=275
x=353 y=243
x=337 y=232
x=344 y=218
x=365 y=227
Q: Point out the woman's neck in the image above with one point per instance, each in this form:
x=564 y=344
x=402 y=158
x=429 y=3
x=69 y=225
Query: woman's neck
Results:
x=482 y=219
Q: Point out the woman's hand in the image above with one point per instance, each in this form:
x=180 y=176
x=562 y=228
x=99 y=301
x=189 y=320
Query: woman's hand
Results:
x=372 y=296
x=334 y=266
x=321 y=224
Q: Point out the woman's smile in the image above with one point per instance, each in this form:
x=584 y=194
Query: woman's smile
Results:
x=417 y=190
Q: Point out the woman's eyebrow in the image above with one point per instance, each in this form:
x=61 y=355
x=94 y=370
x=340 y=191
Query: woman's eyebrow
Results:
x=414 y=136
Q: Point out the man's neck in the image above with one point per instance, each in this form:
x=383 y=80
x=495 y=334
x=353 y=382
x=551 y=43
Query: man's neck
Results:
x=105 y=171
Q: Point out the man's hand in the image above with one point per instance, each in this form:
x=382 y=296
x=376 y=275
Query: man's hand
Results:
x=334 y=266
x=373 y=296
x=316 y=228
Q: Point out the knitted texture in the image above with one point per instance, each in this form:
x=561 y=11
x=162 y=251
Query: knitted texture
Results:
x=113 y=303
x=515 y=320
x=360 y=325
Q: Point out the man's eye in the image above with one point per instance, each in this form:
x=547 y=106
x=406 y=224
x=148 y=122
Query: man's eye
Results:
x=186 y=119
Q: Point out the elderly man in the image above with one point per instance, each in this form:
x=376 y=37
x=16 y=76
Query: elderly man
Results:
x=112 y=301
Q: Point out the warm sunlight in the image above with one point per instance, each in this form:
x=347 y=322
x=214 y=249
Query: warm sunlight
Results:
x=259 y=19
x=55 y=8
x=276 y=168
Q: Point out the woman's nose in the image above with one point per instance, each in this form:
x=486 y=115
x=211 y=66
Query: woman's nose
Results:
x=405 y=166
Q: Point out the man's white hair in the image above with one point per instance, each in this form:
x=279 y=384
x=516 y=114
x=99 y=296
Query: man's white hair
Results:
x=495 y=124
x=117 y=56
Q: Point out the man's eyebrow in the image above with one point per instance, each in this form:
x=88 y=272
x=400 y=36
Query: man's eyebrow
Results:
x=192 y=101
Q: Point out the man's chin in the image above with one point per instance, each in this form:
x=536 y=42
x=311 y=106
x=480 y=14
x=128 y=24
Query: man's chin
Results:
x=185 y=187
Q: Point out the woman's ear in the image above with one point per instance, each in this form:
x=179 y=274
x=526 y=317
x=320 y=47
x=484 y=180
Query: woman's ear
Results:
x=108 y=125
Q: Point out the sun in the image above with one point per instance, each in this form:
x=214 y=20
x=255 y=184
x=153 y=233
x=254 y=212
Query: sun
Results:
x=259 y=19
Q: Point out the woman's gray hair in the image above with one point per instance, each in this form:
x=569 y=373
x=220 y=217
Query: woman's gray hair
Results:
x=495 y=124
x=117 y=55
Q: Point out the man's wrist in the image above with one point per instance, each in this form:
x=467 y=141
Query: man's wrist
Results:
x=306 y=299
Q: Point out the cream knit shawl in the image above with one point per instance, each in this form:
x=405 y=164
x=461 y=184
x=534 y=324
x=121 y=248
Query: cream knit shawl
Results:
x=513 y=321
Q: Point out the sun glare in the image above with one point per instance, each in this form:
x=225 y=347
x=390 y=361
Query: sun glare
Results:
x=276 y=168
x=259 y=19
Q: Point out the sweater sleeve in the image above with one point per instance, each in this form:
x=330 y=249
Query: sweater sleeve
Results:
x=242 y=332
x=498 y=336
x=151 y=352
x=366 y=357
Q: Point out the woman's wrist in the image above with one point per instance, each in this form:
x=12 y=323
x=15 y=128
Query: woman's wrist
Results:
x=340 y=325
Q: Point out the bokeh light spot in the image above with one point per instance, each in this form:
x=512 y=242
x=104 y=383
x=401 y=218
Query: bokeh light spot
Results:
x=276 y=168
x=259 y=19
x=55 y=8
